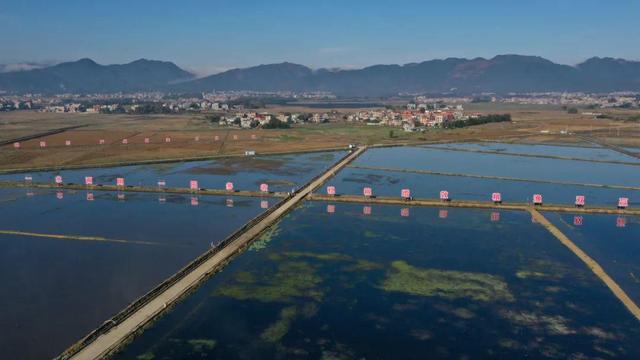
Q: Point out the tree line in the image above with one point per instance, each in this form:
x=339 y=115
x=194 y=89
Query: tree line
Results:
x=484 y=119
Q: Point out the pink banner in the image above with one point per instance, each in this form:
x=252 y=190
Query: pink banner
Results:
x=496 y=197
x=537 y=199
x=367 y=191
x=229 y=186
x=405 y=193
x=88 y=180
x=623 y=202
x=580 y=200
x=264 y=187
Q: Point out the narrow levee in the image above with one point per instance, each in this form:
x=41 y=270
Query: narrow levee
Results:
x=106 y=339
x=142 y=189
x=590 y=262
x=607 y=145
x=472 y=204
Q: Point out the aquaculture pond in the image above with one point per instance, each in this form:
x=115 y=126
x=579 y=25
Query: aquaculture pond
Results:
x=350 y=281
x=281 y=172
x=352 y=180
x=68 y=263
x=588 y=152
x=612 y=240
x=444 y=161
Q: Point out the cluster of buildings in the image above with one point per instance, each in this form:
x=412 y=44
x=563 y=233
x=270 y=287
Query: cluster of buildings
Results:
x=133 y=102
x=414 y=116
x=578 y=99
x=254 y=119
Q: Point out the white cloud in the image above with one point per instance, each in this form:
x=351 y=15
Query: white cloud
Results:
x=23 y=66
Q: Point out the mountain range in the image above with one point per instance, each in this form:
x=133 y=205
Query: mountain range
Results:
x=87 y=76
x=500 y=74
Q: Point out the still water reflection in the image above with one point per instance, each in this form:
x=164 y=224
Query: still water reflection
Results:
x=351 y=283
x=67 y=263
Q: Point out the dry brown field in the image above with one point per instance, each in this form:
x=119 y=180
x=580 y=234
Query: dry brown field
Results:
x=530 y=124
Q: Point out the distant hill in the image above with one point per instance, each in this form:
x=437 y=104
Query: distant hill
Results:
x=87 y=76
x=501 y=74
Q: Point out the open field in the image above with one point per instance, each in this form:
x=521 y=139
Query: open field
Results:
x=531 y=124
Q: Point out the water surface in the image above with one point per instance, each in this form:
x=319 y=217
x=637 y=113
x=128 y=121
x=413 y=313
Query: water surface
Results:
x=576 y=152
x=331 y=282
x=612 y=240
x=390 y=183
x=56 y=290
x=281 y=172
x=500 y=165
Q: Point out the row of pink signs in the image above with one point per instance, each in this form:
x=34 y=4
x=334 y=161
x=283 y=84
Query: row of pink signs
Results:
x=193 y=184
x=496 y=197
x=125 y=141
x=494 y=217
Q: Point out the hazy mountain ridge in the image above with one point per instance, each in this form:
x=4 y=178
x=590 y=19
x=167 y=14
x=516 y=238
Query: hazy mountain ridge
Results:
x=85 y=75
x=500 y=74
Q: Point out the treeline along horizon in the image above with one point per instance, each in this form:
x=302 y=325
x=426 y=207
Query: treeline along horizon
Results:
x=484 y=119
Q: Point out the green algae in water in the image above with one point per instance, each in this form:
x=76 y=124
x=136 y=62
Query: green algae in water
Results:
x=146 y=356
x=280 y=328
x=293 y=279
x=371 y=234
x=524 y=274
x=319 y=256
x=448 y=284
x=355 y=264
x=264 y=240
x=202 y=344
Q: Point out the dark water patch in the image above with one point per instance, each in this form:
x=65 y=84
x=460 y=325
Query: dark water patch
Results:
x=577 y=152
x=247 y=173
x=444 y=161
x=349 y=285
x=612 y=240
x=56 y=290
x=390 y=183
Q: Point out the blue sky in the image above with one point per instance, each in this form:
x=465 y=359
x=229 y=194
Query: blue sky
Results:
x=210 y=36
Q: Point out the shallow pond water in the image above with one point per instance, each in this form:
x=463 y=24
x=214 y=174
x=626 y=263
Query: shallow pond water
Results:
x=612 y=240
x=111 y=251
x=390 y=183
x=500 y=165
x=576 y=152
x=281 y=172
x=343 y=281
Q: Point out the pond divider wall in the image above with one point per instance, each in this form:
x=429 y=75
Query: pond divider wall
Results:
x=114 y=332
